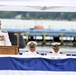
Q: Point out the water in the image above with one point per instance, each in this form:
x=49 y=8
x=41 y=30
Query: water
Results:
x=47 y=24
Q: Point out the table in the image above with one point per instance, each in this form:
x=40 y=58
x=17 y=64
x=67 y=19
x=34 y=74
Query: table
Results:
x=36 y=65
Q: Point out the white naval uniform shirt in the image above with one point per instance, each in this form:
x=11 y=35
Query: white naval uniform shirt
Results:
x=53 y=54
x=6 y=38
x=57 y=55
x=29 y=53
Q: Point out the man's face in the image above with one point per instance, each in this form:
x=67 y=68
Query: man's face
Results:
x=32 y=49
x=56 y=48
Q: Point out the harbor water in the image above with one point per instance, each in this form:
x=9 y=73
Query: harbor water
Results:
x=47 y=24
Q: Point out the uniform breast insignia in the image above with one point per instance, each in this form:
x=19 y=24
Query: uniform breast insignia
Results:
x=38 y=53
x=49 y=52
x=26 y=51
x=62 y=53
x=2 y=40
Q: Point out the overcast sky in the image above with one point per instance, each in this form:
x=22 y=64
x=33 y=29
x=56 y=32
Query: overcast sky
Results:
x=38 y=5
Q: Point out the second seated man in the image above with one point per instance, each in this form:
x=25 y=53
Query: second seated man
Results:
x=55 y=50
x=32 y=48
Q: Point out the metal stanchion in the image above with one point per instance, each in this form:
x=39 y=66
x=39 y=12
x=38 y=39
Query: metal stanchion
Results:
x=17 y=34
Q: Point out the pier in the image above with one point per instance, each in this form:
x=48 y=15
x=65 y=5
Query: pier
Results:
x=46 y=37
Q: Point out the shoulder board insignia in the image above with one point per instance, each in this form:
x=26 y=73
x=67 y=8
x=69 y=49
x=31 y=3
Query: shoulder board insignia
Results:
x=61 y=52
x=26 y=51
x=49 y=52
x=37 y=52
x=4 y=31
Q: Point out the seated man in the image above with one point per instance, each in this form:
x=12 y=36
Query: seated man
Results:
x=32 y=48
x=4 y=38
x=55 y=49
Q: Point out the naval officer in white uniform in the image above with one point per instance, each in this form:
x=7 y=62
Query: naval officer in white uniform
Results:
x=55 y=50
x=32 y=48
x=4 y=38
x=55 y=47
